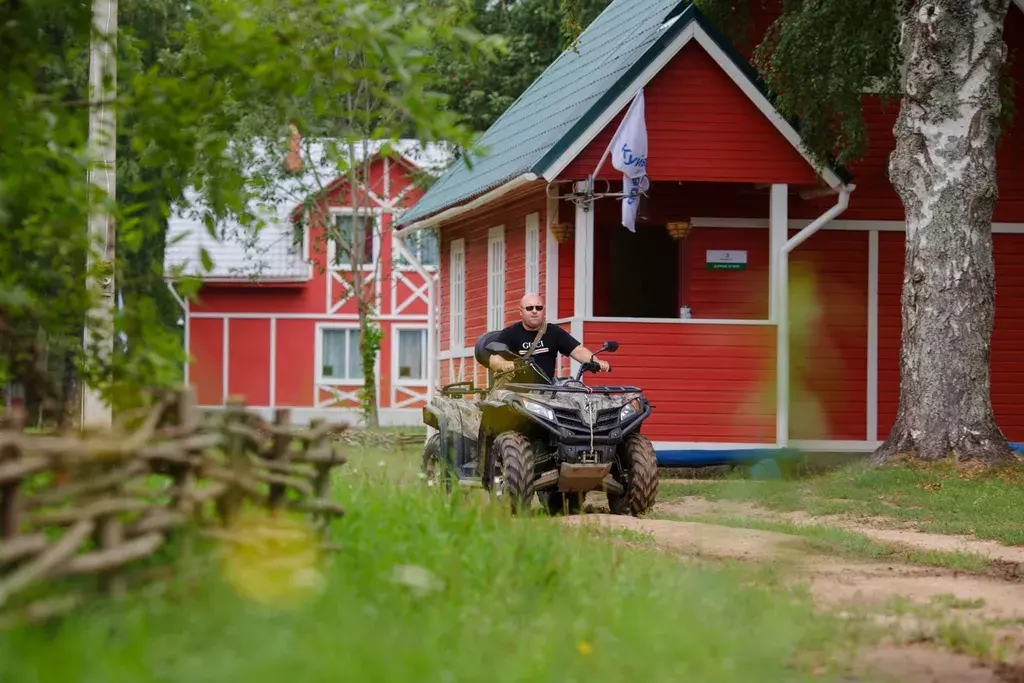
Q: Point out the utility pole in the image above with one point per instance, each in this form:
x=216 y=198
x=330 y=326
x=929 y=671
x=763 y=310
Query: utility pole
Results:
x=99 y=323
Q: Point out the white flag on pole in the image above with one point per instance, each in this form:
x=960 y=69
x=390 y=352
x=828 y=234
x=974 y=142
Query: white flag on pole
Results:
x=629 y=155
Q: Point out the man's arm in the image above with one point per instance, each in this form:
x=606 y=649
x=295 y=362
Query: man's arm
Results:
x=496 y=362
x=569 y=346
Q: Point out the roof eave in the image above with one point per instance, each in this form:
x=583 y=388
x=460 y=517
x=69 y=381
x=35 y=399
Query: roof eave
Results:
x=450 y=213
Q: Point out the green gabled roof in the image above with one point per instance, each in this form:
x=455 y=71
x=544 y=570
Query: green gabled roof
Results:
x=570 y=96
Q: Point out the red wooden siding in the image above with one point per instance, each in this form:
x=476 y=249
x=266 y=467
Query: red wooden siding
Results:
x=206 y=346
x=890 y=285
x=828 y=280
x=701 y=126
x=727 y=294
x=1007 y=363
x=474 y=230
x=296 y=361
x=706 y=382
x=249 y=360
x=1008 y=337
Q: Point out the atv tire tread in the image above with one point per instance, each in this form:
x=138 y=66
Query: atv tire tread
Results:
x=514 y=452
x=641 y=464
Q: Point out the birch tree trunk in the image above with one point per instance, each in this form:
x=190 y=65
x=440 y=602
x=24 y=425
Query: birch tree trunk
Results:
x=944 y=169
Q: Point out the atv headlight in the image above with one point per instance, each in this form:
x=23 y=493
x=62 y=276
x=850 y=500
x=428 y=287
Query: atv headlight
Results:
x=630 y=410
x=539 y=410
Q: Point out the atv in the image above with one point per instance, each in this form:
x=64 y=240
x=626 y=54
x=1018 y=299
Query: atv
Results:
x=527 y=433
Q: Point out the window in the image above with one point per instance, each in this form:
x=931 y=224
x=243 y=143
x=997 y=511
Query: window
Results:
x=412 y=355
x=340 y=360
x=343 y=243
x=457 y=275
x=496 y=278
x=423 y=245
x=533 y=254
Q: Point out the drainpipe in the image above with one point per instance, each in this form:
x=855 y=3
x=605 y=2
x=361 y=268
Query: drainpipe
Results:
x=184 y=316
x=432 y=307
x=782 y=371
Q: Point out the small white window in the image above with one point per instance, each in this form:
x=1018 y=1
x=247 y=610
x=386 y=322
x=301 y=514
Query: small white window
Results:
x=412 y=356
x=343 y=243
x=496 y=278
x=423 y=245
x=340 y=360
x=457 y=266
x=533 y=254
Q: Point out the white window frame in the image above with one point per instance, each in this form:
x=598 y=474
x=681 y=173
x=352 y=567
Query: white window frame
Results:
x=532 y=249
x=319 y=355
x=457 y=293
x=396 y=256
x=405 y=381
x=375 y=215
x=496 y=278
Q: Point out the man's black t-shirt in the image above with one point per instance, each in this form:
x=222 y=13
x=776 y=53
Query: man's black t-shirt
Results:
x=555 y=340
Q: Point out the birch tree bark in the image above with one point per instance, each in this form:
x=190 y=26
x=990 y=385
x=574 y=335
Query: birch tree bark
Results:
x=944 y=169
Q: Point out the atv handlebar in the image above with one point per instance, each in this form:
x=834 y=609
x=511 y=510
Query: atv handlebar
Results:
x=592 y=365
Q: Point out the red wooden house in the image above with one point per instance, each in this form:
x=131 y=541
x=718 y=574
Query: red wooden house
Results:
x=774 y=322
x=275 y=322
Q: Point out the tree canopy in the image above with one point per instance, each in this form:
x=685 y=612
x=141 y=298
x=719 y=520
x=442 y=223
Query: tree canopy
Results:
x=197 y=83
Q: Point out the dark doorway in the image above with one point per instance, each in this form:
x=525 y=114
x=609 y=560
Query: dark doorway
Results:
x=644 y=269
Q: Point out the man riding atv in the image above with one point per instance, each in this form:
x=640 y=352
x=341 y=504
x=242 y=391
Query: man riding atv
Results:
x=519 y=337
x=529 y=432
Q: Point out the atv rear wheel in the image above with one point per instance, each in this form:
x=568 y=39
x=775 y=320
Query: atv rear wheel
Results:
x=513 y=455
x=639 y=477
x=437 y=469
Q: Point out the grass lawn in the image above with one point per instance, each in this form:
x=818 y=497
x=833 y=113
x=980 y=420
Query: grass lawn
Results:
x=430 y=589
x=937 y=499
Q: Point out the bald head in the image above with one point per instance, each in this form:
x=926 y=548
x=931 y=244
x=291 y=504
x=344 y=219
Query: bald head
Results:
x=531 y=308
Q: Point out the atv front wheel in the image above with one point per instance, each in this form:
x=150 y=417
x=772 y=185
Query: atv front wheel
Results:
x=437 y=469
x=640 y=467
x=513 y=454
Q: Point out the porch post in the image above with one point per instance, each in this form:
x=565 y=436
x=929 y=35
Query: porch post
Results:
x=551 y=262
x=583 y=270
x=779 y=306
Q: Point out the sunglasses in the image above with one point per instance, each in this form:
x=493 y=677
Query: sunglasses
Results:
x=531 y=309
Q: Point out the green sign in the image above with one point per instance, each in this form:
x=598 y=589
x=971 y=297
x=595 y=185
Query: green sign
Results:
x=718 y=259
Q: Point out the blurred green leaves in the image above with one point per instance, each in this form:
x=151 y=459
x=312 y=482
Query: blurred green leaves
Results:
x=198 y=83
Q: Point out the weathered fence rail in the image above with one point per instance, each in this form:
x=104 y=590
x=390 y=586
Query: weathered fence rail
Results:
x=100 y=507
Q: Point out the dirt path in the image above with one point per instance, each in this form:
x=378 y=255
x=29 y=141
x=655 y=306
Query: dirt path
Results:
x=919 y=540
x=842 y=585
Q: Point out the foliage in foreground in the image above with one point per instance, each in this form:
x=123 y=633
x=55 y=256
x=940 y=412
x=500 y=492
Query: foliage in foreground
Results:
x=427 y=589
x=196 y=90
x=937 y=498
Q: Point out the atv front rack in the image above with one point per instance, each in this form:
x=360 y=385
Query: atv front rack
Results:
x=460 y=389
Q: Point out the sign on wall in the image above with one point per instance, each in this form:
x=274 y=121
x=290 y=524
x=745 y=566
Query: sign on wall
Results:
x=726 y=260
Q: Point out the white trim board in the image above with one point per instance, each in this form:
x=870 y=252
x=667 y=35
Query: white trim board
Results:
x=711 y=446
x=835 y=224
x=692 y=31
x=823 y=446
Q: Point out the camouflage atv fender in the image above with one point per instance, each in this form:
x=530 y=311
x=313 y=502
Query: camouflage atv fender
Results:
x=458 y=422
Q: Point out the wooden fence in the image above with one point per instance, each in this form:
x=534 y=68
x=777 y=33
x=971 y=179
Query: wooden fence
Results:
x=99 y=507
